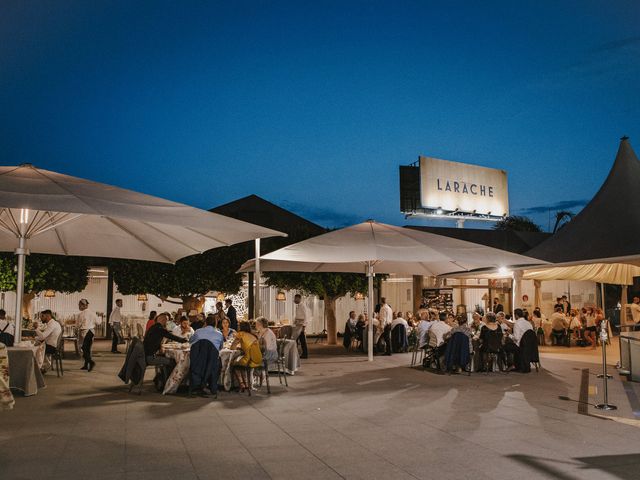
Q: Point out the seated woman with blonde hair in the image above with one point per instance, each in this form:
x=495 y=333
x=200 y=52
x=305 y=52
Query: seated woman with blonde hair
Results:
x=267 y=339
x=252 y=356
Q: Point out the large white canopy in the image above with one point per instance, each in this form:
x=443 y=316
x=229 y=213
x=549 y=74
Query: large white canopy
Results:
x=390 y=249
x=65 y=215
x=614 y=273
x=47 y=212
x=371 y=246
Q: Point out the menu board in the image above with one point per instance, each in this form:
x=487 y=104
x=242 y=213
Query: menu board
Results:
x=440 y=299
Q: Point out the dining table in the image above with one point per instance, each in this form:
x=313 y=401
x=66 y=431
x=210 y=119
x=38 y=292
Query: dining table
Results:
x=25 y=361
x=179 y=352
x=6 y=397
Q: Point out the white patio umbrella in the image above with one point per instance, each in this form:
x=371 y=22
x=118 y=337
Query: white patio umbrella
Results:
x=47 y=212
x=372 y=246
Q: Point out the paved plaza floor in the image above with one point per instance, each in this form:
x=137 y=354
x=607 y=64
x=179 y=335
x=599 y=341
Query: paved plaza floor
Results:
x=341 y=417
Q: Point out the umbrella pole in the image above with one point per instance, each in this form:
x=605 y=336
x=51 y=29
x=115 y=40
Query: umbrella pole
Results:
x=370 y=309
x=21 y=252
x=257 y=310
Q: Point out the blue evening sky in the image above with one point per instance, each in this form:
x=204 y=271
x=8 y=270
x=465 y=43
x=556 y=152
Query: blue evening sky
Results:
x=315 y=104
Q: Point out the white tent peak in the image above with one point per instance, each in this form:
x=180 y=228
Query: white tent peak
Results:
x=608 y=226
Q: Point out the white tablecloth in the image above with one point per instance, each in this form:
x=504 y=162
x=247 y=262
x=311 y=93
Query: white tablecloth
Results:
x=24 y=373
x=181 y=372
x=6 y=397
x=226 y=373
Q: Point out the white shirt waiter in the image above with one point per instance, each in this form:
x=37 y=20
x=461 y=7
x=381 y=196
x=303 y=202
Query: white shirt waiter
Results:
x=87 y=321
x=116 y=316
x=386 y=315
x=301 y=315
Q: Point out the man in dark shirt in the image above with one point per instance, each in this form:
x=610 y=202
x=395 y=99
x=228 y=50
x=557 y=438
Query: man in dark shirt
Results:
x=566 y=306
x=232 y=315
x=497 y=306
x=152 y=342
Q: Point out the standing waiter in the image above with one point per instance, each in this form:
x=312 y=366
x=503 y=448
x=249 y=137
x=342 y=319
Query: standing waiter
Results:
x=301 y=321
x=115 y=320
x=86 y=322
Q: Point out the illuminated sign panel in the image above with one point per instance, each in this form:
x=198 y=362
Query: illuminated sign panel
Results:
x=459 y=187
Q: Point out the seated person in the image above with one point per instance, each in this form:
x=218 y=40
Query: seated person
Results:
x=171 y=325
x=7 y=330
x=183 y=329
x=399 y=320
x=153 y=341
x=559 y=326
x=461 y=327
x=520 y=326
x=208 y=332
x=476 y=324
x=197 y=322
x=505 y=324
x=250 y=347
x=349 y=330
x=575 y=326
x=352 y=321
x=512 y=343
x=267 y=339
x=49 y=332
x=227 y=331
x=536 y=322
x=151 y=321
x=438 y=330
x=490 y=338
x=423 y=329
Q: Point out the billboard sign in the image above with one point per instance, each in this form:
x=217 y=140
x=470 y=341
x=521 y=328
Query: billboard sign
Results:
x=460 y=187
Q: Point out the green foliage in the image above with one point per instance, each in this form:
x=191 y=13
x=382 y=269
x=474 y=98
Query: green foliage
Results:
x=329 y=285
x=517 y=223
x=195 y=275
x=191 y=276
x=45 y=272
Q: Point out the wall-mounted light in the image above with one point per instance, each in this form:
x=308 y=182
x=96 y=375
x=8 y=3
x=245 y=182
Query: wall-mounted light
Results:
x=281 y=296
x=49 y=293
x=359 y=296
x=142 y=297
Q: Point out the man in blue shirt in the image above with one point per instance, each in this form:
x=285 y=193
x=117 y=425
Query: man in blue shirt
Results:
x=210 y=333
